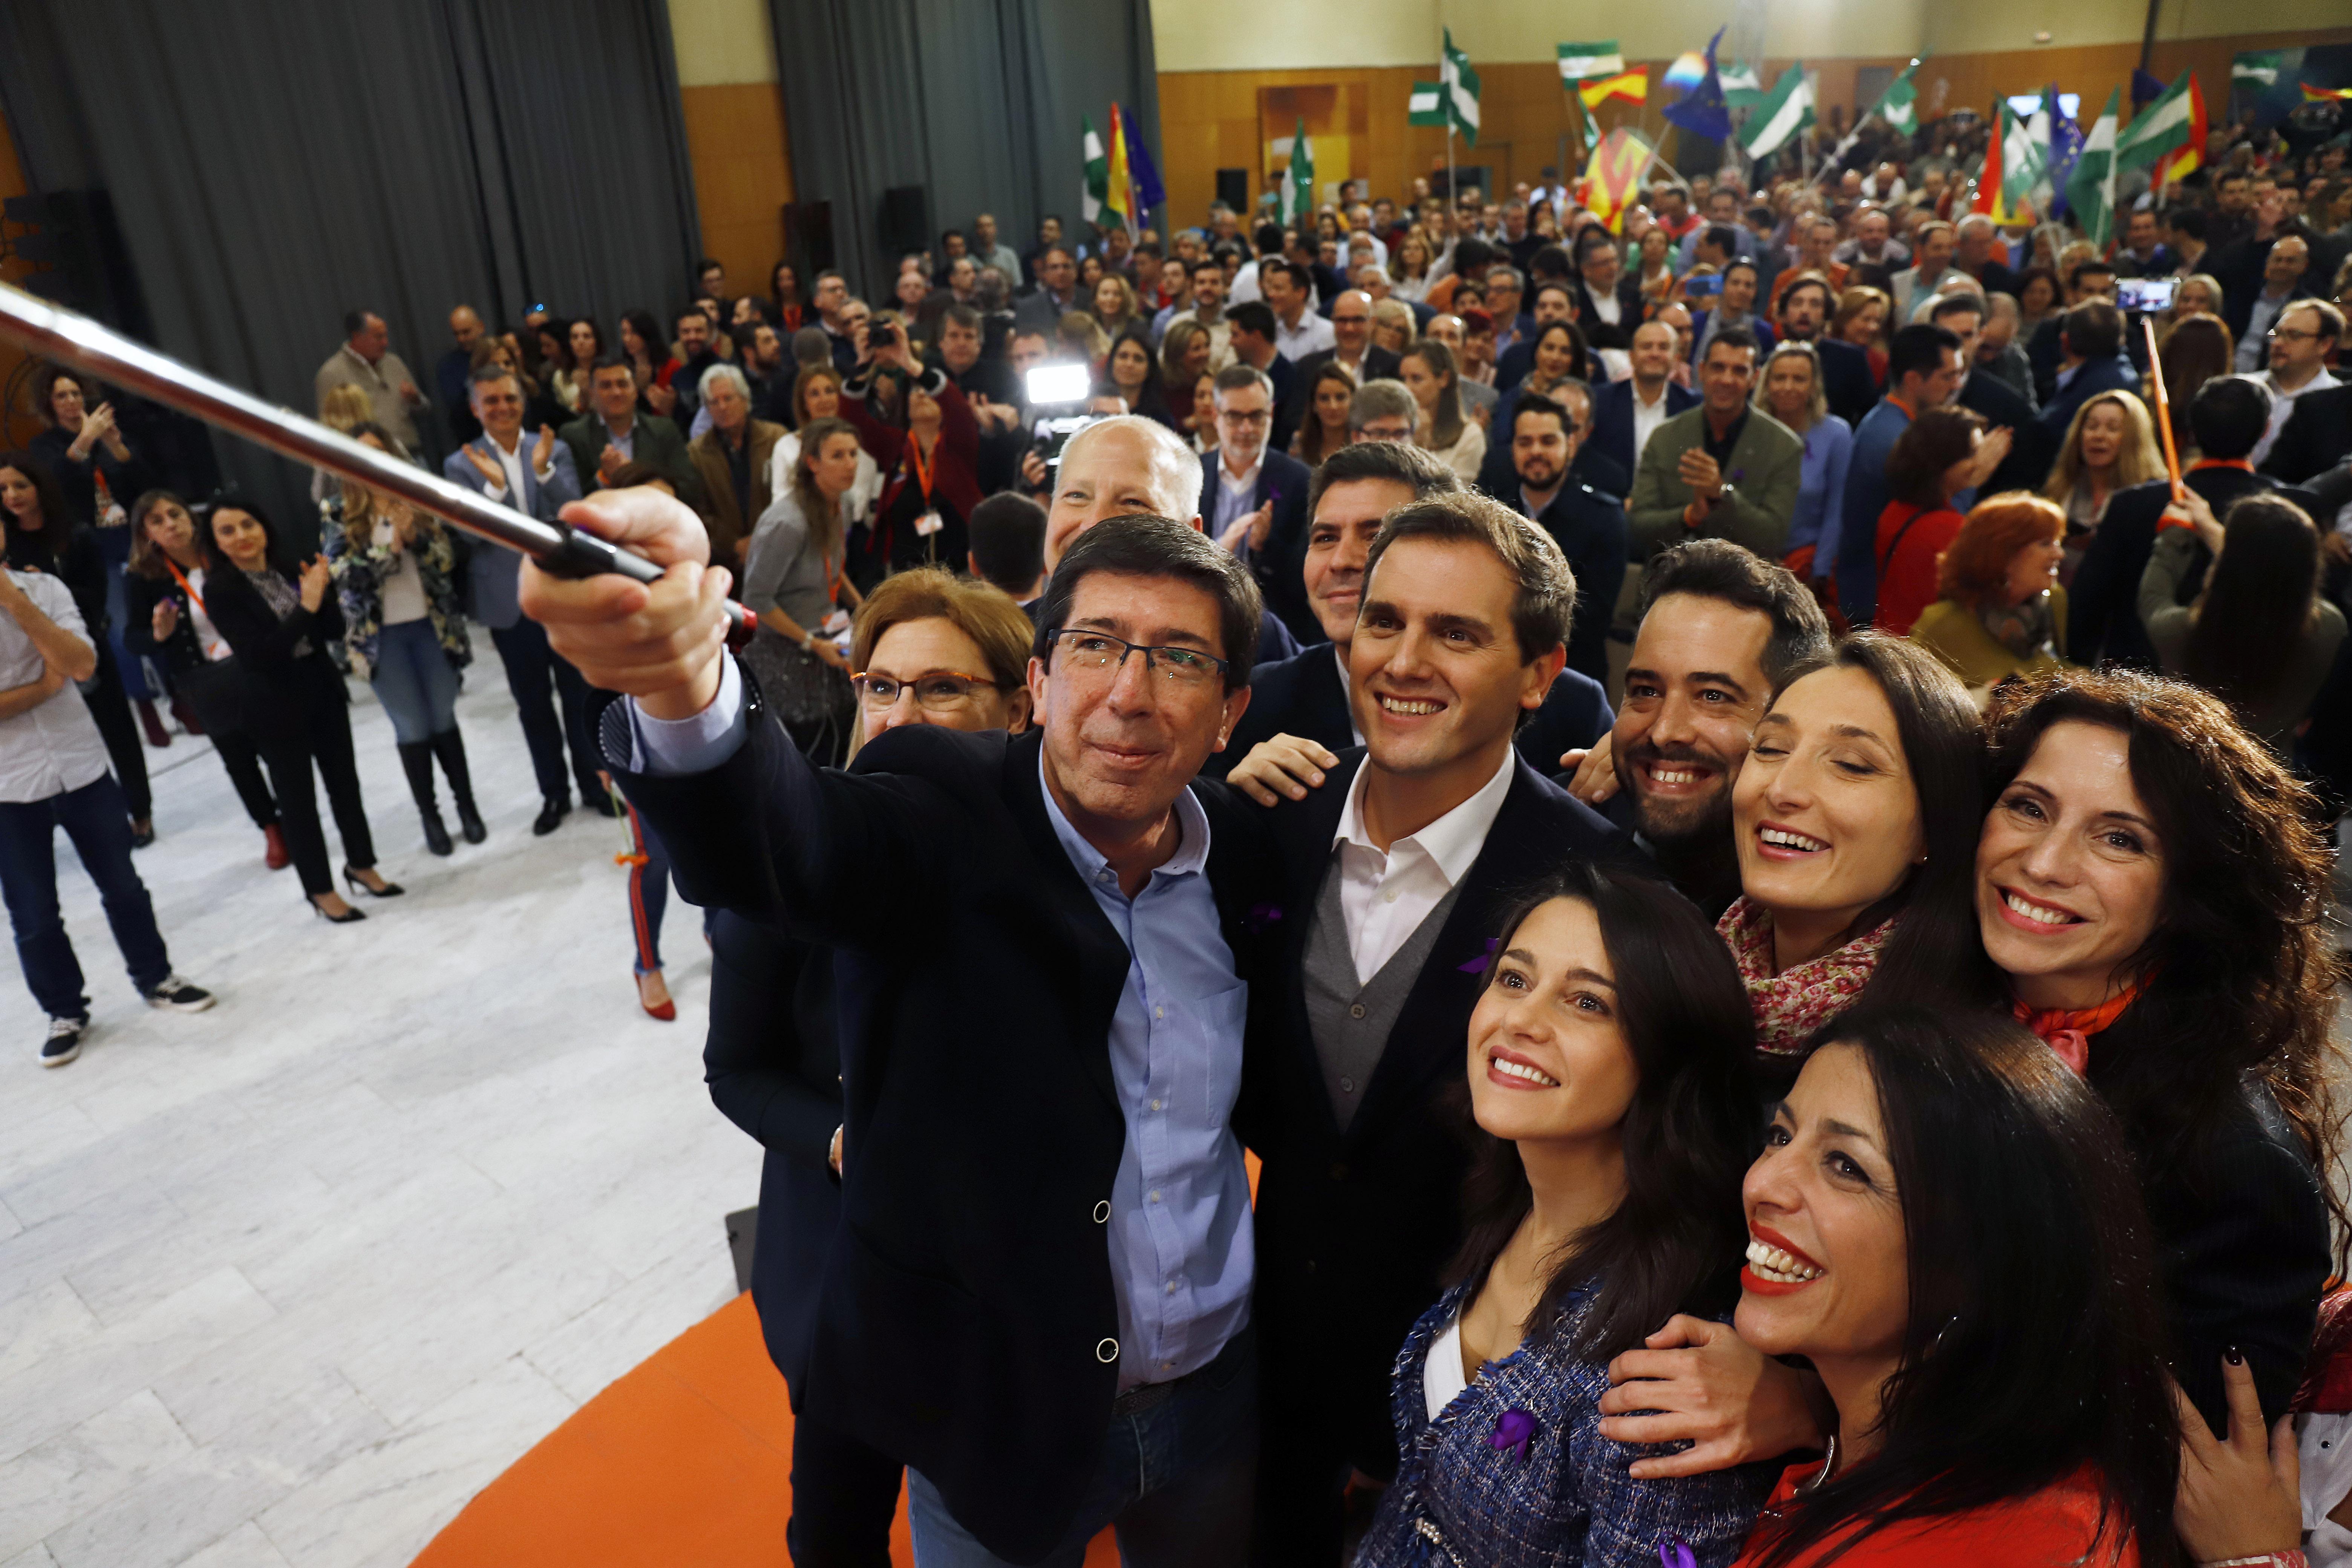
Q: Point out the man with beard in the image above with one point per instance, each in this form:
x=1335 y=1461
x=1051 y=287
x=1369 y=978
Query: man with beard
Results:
x=1721 y=630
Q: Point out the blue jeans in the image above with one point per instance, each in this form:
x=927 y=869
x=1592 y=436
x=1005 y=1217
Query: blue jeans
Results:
x=95 y=819
x=415 y=681
x=1176 y=1481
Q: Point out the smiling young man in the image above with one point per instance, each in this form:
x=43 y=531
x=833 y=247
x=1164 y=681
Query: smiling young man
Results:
x=1395 y=875
x=1720 y=629
x=1047 y=1200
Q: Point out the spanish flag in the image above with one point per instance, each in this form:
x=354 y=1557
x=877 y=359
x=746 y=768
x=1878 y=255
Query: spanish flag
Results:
x=2321 y=94
x=1117 y=199
x=1613 y=179
x=1633 y=87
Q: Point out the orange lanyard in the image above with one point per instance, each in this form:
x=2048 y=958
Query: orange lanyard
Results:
x=921 y=470
x=189 y=587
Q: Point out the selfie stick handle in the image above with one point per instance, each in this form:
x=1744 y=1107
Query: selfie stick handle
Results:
x=2163 y=408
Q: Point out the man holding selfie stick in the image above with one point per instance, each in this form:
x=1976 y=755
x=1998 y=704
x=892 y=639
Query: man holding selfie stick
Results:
x=1039 y=1299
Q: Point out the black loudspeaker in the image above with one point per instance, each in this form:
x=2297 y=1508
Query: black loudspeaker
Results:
x=1233 y=189
x=904 y=223
x=808 y=241
x=76 y=249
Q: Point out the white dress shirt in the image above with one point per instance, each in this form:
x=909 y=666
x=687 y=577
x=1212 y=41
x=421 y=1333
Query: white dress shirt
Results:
x=512 y=463
x=1312 y=335
x=1648 y=418
x=1384 y=897
x=56 y=747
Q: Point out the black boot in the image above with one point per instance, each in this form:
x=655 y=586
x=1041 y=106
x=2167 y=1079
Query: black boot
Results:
x=416 y=760
x=449 y=745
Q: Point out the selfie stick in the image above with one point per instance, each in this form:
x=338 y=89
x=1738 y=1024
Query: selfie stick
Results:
x=51 y=332
x=2163 y=409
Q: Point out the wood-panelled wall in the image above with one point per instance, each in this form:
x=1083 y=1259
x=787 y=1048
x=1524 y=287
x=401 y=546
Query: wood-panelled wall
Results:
x=1209 y=120
x=742 y=176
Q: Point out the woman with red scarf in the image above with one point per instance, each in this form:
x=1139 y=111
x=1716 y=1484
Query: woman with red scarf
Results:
x=2151 y=890
x=928 y=448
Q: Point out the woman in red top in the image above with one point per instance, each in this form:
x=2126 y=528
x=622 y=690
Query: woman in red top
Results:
x=1931 y=462
x=1945 y=1221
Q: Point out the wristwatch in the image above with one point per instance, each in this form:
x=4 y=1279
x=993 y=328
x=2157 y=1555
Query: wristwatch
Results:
x=1724 y=496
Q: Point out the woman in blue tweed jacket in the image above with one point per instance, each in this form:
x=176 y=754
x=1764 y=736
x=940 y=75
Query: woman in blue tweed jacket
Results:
x=1609 y=1062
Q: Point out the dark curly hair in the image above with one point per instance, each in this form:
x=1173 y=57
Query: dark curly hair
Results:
x=2239 y=974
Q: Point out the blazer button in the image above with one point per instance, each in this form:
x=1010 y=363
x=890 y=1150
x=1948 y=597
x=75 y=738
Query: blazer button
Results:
x=1356 y=1011
x=1106 y=1352
x=1102 y=1212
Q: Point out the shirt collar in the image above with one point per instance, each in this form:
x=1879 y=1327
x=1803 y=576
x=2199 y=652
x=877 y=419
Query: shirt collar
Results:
x=1247 y=478
x=1192 y=855
x=1453 y=840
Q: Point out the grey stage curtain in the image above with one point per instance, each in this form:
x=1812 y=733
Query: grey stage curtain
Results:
x=274 y=163
x=978 y=101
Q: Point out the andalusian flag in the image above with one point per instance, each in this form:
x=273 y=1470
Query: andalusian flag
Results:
x=1632 y=87
x=2090 y=189
x=1743 y=84
x=1120 y=198
x=1898 y=106
x=1784 y=112
x=1613 y=177
x=2024 y=160
x=1097 y=168
x=1427 y=104
x=2190 y=155
x=1461 y=84
x=2257 y=68
x=1587 y=62
x=1298 y=179
x=2172 y=123
x=2010 y=143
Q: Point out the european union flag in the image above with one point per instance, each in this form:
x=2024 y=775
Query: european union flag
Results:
x=1701 y=111
x=1139 y=166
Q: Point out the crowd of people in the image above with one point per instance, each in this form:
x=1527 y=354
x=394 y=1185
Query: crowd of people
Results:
x=1753 y=872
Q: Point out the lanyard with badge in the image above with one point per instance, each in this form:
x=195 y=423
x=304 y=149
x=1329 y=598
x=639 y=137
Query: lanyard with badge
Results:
x=929 y=523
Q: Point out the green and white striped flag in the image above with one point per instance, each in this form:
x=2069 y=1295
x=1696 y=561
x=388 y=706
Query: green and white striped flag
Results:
x=2258 y=69
x=1298 y=179
x=1590 y=62
x=1743 y=84
x=1461 y=85
x=1427 y=105
x=2025 y=162
x=2090 y=189
x=2156 y=130
x=1899 y=105
x=1784 y=112
x=1097 y=164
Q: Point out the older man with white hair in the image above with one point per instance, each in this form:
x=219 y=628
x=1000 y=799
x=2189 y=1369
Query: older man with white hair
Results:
x=1125 y=465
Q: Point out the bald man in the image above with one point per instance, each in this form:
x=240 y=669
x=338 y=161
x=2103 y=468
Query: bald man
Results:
x=449 y=374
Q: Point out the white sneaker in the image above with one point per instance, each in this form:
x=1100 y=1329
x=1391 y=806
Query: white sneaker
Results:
x=64 y=1043
x=180 y=995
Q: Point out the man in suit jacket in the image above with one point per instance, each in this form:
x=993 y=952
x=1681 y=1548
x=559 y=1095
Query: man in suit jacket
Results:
x=2004 y=407
x=1923 y=371
x=1057 y=293
x=1588 y=527
x=1244 y=477
x=1306 y=695
x=2315 y=438
x=1352 y=346
x=1608 y=298
x=1723 y=470
x=1396 y=871
x=1648 y=397
x=1554 y=300
x=613 y=434
x=732 y=460
x=1010 y=1307
x=535 y=478
x=2091 y=341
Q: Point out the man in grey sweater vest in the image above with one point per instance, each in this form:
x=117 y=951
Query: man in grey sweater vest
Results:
x=1398 y=868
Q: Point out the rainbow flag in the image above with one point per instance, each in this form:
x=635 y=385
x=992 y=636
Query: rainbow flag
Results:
x=1632 y=87
x=1613 y=177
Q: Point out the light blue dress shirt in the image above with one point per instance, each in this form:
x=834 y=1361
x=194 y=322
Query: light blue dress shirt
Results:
x=1182 y=1252
x=1820 y=492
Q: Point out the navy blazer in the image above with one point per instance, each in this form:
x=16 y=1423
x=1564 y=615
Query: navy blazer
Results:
x=494 y=572
x=1279 y=567
x=2030 y=451
x=970 y=1283
x=1599 y=333
x=2095 y=376
x=1846 y=379
x=2317 y=436
x=1355 y=1227
x=2102 y=623
x=1303 y=696
x=1594 y=533
x=1290 y=393
x=1612 y=418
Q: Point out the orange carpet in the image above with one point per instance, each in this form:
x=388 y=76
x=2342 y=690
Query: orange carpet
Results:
x=686 y=1462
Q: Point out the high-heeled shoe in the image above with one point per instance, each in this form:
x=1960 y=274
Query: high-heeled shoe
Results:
x=666 y=1008
x=346 y=918
x=389 y=891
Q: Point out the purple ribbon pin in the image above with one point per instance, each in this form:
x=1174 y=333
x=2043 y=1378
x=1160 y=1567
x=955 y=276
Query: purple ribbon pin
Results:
x=1514 y=1428
x=1675 y=1552
x=1478 y=964
x=1262 y=918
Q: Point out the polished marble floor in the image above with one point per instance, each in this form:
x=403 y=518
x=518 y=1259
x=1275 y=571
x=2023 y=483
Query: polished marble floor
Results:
x=286 y=1282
